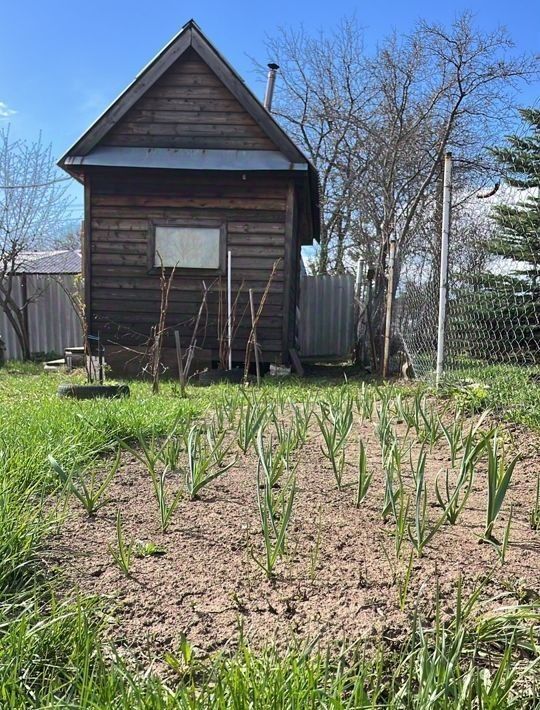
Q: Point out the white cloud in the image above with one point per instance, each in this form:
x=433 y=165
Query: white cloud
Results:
x=5 y=111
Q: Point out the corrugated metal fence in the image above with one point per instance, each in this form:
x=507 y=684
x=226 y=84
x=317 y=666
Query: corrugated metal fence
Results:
x=326 y=317
x=52 y=322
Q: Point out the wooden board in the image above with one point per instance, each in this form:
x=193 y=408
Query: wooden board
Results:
x=125 y=295
x=189 y=106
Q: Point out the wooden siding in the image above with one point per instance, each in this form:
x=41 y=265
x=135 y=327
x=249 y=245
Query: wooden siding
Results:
x=188 y=107
x=124 y=299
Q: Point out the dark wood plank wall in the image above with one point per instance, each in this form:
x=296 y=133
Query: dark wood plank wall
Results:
x=125 y=297
x=188 y=107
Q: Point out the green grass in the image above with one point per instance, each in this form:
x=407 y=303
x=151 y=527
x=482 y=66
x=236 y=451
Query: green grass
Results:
x=54 y=655
x=512 y=391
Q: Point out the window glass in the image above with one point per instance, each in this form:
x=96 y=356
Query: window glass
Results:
x=187 y=247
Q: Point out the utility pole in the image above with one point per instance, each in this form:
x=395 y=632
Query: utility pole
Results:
x=443 y=281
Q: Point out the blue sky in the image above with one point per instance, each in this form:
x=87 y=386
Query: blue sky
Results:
x=62 y=62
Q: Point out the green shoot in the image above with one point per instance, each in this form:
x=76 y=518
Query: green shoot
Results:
x=123 y=553
x=275 y=515
x=201 y=459
x=166 y=507
x=315 y=552
x=404 y=583
x=251 y=420
x=401 y=515
x=335 y=426
x=364 y=477
x=453 y=500
x=534 y=518
x=89 y=493
x=499 y=476
x=421 y=532
x=453 y=435
x=275 y=462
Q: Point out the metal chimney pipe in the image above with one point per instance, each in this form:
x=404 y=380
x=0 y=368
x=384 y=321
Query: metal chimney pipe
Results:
x=272 y=71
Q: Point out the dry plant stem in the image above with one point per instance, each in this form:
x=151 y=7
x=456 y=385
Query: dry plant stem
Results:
x=158 y=330
x=193 y=342
x=254 y=336
x=315 y=552
x=255 y=321
x=223 y=326
x=534 y=518
x=77 y=303
x=181 y=376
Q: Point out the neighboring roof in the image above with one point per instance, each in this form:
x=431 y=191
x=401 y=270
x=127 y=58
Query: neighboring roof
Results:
x=86 y=152
x=49 y=262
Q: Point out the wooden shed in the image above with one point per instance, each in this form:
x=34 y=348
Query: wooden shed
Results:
x=185 y=166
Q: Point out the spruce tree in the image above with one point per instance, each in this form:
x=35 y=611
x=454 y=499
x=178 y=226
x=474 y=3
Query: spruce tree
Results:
x=507 y=303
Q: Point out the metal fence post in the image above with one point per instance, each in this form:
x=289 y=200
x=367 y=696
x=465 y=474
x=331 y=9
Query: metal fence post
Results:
x=389 y=305
x=443 y=279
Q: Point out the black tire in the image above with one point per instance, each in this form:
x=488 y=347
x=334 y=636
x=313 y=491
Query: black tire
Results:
x=93 y=391
x=211 y=377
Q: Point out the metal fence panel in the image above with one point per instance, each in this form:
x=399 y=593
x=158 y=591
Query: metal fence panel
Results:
x=52 y=322
x=326 y=317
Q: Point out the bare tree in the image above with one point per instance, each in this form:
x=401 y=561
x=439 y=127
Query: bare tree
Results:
x=71 y=238
x=322 y=93
x=377 y=128
x=33 y=204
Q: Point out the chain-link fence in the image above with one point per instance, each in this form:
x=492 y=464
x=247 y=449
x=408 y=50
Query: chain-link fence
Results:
x=493 y=296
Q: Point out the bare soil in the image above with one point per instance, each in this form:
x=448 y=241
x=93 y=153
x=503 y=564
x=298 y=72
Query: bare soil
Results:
x=207 y=587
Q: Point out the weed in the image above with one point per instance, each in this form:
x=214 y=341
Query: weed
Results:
x=147 y=549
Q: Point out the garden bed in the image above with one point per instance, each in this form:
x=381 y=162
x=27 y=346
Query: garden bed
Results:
x=339 y=579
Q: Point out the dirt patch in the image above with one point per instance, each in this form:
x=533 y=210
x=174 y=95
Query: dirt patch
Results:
x=338 y=581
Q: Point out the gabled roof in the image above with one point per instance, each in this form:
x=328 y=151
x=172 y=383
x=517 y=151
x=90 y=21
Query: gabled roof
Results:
x=87 y=150
x=189 y=36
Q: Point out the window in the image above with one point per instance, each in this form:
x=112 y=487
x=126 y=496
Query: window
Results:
x=197 y=246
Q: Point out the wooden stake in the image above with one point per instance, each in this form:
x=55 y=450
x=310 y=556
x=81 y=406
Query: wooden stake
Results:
x=254 y=336
x=180 y=364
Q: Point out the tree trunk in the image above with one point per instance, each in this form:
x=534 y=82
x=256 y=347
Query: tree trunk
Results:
x=16 y=319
